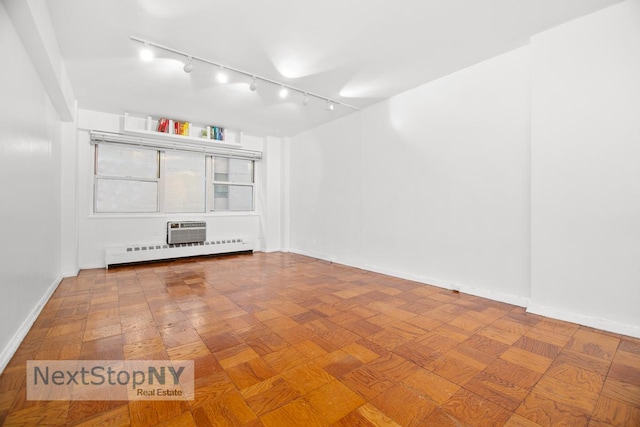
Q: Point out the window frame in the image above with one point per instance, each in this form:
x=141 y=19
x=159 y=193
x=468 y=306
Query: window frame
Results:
x=214 y=182
x=160 y=182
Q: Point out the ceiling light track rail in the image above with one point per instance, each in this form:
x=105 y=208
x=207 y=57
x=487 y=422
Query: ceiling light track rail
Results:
x=190 y=58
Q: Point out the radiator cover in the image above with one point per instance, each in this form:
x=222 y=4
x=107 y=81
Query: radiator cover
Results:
x=155 y=252
x=186 y=232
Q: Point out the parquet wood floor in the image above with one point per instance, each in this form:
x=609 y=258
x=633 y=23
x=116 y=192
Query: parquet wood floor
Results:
x=286 y=340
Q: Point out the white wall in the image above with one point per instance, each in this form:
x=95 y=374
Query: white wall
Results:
x=97 y=232
x=432 y=184
x=30 y=139
x=517 y=179
x=69 y=200
x=447 y=179
x=586 y=170
x=285 y=199
x=270 y=195
x=326 y=191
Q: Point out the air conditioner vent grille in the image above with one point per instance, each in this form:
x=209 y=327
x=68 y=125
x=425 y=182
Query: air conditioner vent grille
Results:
x=186 y=232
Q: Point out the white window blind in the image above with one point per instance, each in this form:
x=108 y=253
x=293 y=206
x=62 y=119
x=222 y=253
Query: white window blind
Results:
x=184 y=182
x=126 y=179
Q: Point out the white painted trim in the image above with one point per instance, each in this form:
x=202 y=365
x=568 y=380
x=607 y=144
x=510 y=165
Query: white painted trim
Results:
x=15 y=341
x=413 y=277
x=268 y=250
x=581 y=319
x=495 y=296
x=327 y=258
x=92 y=266
x=127 y=216
x=319 y=256
x=70 y=273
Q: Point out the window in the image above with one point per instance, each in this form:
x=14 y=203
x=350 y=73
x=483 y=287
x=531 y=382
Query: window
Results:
x=126 y=179
x=185 y=185
x=147 y=180
x=232 y=184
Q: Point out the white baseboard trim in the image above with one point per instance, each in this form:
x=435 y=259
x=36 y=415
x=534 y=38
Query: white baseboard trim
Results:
x=408 y=276
x=581 y=319
x=312 y=254
x=269 y=250
x=13 y=344
x=70 y=273
x=495 y=296
x=328 y=258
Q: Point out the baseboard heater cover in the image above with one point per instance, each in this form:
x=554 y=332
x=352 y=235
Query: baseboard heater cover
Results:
x=157 y=252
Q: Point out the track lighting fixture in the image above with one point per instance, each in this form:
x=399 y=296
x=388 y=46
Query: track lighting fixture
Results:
x=146 y=54
x=223 y=77
x=188 y=67
x=329 y=106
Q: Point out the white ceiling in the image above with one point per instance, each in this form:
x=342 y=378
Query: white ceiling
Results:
x=354 y=51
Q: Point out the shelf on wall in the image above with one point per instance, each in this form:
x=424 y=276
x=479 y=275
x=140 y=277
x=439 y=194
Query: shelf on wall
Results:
x=136 y=126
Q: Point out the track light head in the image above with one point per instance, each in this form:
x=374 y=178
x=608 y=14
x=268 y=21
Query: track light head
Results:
x=305 y=99
x=284 y=92
x=188 y=67
x=222 y=76
x=146 y=54
x=330 y=106
x=254 y=85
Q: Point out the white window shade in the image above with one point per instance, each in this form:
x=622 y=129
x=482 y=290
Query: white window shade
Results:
x=121 y=195
x=184 y=182
x=229 y=197
x=122 y=161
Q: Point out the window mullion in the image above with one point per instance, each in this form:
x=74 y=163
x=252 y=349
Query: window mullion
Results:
x=161 y=182
x=209 y=184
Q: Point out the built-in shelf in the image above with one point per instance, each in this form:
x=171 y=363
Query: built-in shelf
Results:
x=144 y=127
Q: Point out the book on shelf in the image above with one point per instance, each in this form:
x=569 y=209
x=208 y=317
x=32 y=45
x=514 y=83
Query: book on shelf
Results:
x=163 y=125
x=177 y=127
x=217 y=133
x=181 y=128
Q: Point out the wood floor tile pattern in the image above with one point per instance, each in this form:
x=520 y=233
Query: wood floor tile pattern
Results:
x=286 y=340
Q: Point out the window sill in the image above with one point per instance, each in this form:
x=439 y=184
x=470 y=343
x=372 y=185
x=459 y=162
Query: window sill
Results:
x=170 y=216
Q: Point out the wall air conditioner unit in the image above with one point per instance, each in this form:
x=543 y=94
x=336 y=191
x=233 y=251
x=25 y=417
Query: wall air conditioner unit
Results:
x=186 y=232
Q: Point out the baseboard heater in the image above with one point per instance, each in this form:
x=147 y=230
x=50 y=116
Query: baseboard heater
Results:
x=157 y=252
